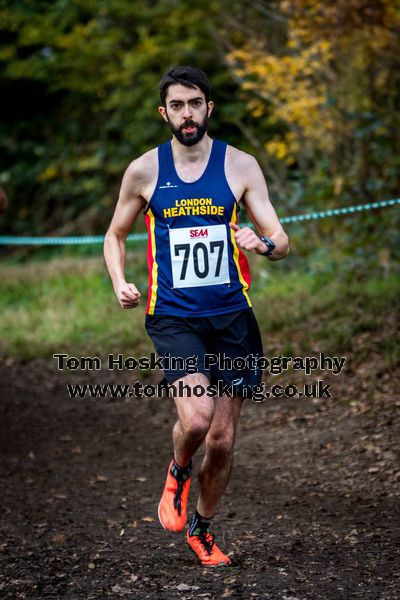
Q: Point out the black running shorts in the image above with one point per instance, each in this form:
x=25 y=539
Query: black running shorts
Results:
x=225 y=348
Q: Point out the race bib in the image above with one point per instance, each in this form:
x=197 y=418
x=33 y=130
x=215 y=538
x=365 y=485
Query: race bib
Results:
x=199 y=256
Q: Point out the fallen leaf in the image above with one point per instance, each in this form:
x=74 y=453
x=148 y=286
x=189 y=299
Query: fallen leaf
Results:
x=132 y=525
x=148 y=519
x=118 y=589
x=112 y=523
x=183 y=587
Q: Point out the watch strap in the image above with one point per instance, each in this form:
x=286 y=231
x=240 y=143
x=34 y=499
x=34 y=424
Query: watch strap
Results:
x=270 y=245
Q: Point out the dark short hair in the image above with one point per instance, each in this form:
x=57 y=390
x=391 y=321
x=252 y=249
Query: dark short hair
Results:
x=188 y=76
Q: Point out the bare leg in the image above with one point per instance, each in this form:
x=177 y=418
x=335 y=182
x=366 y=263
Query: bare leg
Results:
x=217 y=463
x=195 y=415
x=194 y=418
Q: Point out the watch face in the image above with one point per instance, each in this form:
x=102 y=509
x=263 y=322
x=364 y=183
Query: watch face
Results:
x=271 y=245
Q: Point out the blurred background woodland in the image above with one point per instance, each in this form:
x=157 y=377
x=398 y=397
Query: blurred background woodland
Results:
x=311 y=88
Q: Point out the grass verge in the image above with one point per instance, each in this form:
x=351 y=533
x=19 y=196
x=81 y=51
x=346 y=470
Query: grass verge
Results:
x=67 y=305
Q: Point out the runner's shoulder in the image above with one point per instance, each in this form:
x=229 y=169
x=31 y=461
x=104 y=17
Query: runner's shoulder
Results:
x=239 y=158
x=141 y=170
x=238 y=161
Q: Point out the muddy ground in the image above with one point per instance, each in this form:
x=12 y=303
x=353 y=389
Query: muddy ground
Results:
x=311 y=511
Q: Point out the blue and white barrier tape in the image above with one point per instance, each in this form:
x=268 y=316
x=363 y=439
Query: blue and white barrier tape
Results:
x=139 y=237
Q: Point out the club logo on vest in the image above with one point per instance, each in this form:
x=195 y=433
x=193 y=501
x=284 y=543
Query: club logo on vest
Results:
x=167 y=186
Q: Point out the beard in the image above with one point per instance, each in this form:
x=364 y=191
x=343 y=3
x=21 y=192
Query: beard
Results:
x=189 y=139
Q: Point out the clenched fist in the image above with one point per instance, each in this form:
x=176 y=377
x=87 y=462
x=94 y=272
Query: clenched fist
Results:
x=127 y=294
x=248 y=239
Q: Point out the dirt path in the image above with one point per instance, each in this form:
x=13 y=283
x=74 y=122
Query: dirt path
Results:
x=312 y=509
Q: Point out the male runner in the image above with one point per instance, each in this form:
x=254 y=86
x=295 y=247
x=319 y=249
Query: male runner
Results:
x=190 y=189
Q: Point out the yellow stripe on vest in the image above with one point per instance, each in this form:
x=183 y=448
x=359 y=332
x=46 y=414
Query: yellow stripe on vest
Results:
x=154 y=272
x=236 y=259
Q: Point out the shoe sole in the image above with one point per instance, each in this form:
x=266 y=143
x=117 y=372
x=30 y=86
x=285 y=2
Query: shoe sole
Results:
x=159 y=517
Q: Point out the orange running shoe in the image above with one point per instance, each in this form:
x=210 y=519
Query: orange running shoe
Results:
x=173 y=504
x=204 y=546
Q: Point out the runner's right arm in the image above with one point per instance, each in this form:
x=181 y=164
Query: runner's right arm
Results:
x=130 y=204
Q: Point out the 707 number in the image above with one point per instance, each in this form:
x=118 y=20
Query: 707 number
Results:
x=200 y=249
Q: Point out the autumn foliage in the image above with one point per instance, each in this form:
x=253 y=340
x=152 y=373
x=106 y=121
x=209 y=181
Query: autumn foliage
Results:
x=310 y=87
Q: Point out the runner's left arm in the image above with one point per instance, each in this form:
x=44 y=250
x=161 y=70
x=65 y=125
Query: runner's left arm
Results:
x=262 y=214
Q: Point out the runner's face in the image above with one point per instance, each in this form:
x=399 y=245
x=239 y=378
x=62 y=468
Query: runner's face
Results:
x=186 y=113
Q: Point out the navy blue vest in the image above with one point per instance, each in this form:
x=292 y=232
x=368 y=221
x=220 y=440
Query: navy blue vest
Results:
x=195 y=265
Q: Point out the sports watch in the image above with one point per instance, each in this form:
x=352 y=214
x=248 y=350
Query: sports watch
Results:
x=270 y=245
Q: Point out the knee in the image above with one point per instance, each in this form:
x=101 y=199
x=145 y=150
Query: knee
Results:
x=220 y=444
x=197 y=427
